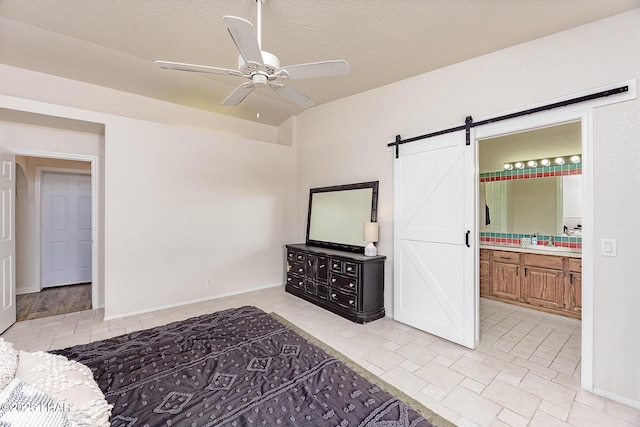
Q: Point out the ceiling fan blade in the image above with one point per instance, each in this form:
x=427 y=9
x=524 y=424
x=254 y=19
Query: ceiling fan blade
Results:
x=293 y=95
x=197 y=68
x=244 y=36
x=317 y=69
x=238 y=95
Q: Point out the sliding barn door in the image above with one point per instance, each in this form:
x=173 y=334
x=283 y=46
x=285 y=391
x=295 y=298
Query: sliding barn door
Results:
x=434 y=243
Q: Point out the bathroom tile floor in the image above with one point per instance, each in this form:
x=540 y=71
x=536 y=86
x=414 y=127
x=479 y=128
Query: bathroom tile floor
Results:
x=525 y=372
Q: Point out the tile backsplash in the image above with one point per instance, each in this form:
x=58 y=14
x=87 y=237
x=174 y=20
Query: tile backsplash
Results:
x=511 y=239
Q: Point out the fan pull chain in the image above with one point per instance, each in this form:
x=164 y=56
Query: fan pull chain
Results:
x=258 y=103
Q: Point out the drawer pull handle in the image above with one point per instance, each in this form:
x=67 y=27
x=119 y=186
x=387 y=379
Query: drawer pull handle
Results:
x=349 y=269
x=351 y=285
x=322 y=266
x=350 y=302
x=333 y=280
x=335 y=265
x=300 y=270
x=299 y=283
x=288 y=279
x=333 y=296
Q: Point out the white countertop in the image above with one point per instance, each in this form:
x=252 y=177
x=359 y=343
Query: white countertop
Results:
x=537 y=249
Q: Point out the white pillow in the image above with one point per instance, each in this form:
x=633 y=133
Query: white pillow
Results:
x=66 y=381
x=22 y=404
x=8 y=362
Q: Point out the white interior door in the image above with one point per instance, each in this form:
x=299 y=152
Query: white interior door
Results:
x=7 y=240
x=434 y=238
x=66 y=228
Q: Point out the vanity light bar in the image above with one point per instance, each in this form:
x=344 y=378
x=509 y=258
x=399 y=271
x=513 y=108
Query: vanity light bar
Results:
x=574 y=158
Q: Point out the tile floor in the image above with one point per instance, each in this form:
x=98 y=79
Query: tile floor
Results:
x=525 y=372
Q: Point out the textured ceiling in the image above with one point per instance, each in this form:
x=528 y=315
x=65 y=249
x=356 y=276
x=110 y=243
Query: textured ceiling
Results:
x=113 y=43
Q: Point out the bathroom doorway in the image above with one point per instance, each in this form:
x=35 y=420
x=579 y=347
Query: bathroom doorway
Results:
x=530 y=219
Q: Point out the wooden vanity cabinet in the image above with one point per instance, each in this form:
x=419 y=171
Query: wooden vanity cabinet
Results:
x=573 y=296
x=544 y=281
x=505 y=275
x=485 y=272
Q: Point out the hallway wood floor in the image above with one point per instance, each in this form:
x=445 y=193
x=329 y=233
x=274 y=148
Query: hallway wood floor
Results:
x=53 y=301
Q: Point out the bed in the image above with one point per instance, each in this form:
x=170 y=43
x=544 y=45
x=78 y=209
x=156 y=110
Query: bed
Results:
x=237 y=367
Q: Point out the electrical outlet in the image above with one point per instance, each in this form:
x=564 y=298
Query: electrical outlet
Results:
x=208 y=282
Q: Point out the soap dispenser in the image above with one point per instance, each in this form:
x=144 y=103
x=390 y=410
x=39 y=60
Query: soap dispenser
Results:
x=534 y=239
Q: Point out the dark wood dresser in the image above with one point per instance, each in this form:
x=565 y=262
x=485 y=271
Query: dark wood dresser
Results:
x=345 y=283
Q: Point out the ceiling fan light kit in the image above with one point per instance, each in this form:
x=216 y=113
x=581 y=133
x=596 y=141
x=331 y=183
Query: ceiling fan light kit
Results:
x=262 y=68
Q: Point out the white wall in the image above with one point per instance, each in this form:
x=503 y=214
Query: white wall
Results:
x=181 y=205
x=345 y=141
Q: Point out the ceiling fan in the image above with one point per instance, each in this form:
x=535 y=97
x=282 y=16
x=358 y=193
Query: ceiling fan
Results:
x=261 y=68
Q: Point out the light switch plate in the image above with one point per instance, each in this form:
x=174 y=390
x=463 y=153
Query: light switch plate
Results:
x=608 y=247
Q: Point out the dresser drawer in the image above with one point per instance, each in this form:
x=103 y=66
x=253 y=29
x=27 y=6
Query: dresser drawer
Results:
x=295 y=268
x=295 y=281
x=343 y=299
x=344 y=283
x=336 y=265
x=350 y=268
x=506 y=257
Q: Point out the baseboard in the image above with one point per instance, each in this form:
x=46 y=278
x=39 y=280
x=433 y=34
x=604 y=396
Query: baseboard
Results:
x=193 y=301
x=617 y=398
x=27 y=290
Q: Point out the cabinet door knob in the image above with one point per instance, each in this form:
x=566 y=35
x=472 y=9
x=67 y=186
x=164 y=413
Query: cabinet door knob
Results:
x=333 y=280
x=350 y=302
x=333 y=296
x=288 y=279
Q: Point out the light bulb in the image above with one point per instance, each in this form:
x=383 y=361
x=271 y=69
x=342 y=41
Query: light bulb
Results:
x=519 y=165
x=559 y=161
x=532 y=163
x=545 y=162
x=575 y=159
x=508 y=166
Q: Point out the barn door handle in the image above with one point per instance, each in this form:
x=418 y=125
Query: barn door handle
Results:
x=466 y=238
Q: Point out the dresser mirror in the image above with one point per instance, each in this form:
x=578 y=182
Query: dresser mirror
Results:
x=337 y=214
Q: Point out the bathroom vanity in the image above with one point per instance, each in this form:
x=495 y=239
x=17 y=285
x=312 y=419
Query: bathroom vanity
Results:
x=548 y=279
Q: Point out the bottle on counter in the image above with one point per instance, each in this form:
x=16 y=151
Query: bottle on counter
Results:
x=534 y=239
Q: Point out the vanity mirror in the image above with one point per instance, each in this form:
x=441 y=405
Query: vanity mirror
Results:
x=538 y=205
x=337 y=214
